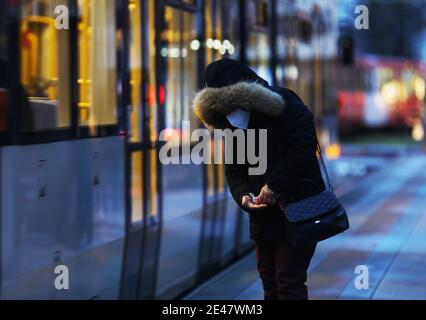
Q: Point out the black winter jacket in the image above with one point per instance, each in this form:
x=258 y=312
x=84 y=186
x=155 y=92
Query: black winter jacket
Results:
x=292 y=166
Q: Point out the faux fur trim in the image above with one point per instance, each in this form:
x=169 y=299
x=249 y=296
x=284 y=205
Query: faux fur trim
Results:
x=211 y=105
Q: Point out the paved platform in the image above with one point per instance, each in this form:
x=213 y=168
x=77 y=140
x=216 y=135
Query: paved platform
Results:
x=387 y=211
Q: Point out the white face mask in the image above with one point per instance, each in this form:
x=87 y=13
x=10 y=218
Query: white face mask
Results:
x=239 y=118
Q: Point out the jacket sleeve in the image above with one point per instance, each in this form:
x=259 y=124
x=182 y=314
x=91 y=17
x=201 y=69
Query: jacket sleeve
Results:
x=237 y=178
x=302 y=144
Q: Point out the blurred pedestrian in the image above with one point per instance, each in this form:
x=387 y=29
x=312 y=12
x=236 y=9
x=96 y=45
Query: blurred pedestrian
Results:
x=236 y=97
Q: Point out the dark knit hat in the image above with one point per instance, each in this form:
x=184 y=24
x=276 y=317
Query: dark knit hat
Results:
x=225 y=72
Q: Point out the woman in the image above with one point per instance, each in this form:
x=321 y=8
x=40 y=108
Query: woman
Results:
x=236 y=97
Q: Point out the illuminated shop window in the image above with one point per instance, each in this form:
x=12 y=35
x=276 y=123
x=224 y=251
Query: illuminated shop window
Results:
x=171 y=51
x=258 y=49
x=45 y=73
x=180 y=58
x=97 y=62
x=189 y=61
x=222 y=27
x=230 y=28
x=152 y=98
x=222 y=40
x=152 y=111
x=135 y=118
x=136 y=187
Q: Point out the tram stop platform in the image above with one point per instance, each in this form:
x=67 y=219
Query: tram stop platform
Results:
x=387 y=211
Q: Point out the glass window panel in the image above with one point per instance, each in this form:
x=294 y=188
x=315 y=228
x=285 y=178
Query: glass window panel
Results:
x=45 y=65
x=153 y=184
x=258 y=48
x=214 y=37
x=182 y=197
x=231 y=27
x=152 y=98
x=136 y=188
x=171 y=51
x=135 y=117
x=181 y=229
x=287 y=71
x=209 y=14
x=97 y=62
x=181 y=65
x=222 y=25
x=190 y=58
x=3 y=63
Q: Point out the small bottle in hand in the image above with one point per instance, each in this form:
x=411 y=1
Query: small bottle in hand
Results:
x=250 y=202
x=254 y=199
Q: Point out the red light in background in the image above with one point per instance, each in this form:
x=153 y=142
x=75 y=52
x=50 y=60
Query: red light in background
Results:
x=151 y=95
x=162 y=95
x=26 y=42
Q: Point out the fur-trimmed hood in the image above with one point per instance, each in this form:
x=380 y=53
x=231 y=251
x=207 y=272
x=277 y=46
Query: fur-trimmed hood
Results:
x=211 y=105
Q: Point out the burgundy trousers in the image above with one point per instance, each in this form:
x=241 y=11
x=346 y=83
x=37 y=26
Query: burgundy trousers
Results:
x=283 y=269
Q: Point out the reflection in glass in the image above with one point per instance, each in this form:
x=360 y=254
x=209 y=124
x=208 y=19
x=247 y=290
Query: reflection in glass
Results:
x=97 y=62
x=151 y=89
x=44 y=66
x=222 y=27
x=258 y=49
x=135 y=118
x=286 y=44
x=153 y=184
x=179 y=51
x=136 y=188
x=189 y=58
x=182 y=196
x=3 y=64
x=171 y=52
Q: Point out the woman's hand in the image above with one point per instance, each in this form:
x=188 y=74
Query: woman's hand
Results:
x=267 y=196
x=248 y=203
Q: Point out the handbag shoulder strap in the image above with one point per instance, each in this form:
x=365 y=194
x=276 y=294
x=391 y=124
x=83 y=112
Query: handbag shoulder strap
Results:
x=322 y=163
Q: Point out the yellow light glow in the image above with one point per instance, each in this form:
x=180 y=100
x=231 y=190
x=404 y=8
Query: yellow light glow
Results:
x=333 y=151
x=171 y=134
x=210 y=43
x=195 y=45
x=132 y=5
x=390 y=92
x=216 y=44
x=418 y=131
x=419 y=88
x=231 y=49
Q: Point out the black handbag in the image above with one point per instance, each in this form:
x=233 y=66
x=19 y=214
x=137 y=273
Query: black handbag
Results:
x=314 y=218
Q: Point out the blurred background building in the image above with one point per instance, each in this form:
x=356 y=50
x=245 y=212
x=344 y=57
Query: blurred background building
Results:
x=81 y=110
